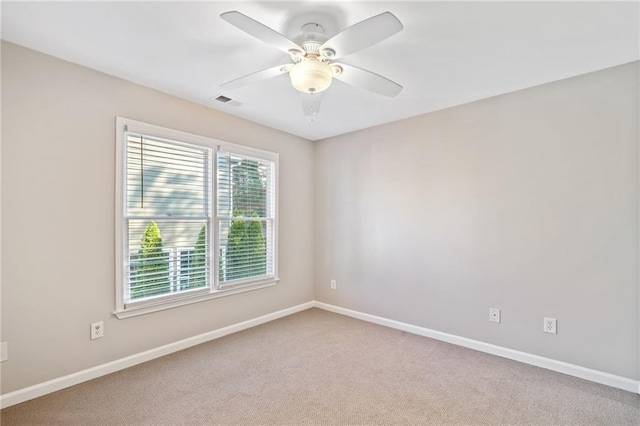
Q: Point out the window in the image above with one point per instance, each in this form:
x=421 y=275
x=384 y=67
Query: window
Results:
x=196 y=218
x=246 y=214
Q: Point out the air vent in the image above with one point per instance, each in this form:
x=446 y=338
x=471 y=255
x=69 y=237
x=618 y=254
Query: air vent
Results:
x=226 y=100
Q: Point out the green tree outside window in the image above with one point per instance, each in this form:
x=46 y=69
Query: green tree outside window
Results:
x=198 y=264
x=151 y=275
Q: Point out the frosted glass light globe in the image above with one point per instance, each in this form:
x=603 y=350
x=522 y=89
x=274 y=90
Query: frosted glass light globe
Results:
x=311 y=75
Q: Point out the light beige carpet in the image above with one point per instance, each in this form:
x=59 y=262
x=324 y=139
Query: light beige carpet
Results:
x=317 y=367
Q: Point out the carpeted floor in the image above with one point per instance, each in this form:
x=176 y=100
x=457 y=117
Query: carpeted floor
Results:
x=317 y=367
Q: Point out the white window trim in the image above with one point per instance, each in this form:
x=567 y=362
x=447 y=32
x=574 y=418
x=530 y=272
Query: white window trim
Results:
x=131 y=309
x=257 y=155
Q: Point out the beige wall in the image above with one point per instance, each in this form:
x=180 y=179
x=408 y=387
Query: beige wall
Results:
x=58 y=147
x=527 y=202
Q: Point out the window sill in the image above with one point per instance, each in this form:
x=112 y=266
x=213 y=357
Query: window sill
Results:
x=161 y=306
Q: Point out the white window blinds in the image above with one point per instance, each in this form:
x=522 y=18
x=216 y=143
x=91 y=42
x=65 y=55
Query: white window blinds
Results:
x=246 y=218
x=196 y=218
x=167 y=217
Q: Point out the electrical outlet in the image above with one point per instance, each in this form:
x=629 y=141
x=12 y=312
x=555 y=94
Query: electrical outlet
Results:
x=550 y=325
x=494 y=314
x=97 y=330
x=4 y=352
x=333 y=284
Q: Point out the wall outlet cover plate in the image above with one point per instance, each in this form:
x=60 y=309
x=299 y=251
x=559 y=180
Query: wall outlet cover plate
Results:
x=494 y=314
x=550 y=325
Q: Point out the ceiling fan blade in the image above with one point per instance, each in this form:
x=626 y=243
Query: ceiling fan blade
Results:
x=363 y=34
x=255 y=77
x=260 y=31
x=311 y=103
x=368 y=80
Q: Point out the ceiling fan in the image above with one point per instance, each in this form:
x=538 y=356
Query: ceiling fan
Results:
x=314 y=54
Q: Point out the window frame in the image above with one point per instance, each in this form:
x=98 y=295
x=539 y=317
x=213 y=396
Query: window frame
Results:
x=243 y=282
x=125 y=309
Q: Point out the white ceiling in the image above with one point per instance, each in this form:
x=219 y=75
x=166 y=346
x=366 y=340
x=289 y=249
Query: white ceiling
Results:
x=448 y=53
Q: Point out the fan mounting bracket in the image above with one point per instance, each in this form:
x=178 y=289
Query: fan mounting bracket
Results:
x=312 y=28
x=310 y=33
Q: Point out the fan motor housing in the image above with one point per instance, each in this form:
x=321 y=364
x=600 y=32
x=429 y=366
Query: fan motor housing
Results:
x=311 y=37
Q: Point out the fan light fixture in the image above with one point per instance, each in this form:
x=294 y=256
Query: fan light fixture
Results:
x=311 y=75
x=313 y=55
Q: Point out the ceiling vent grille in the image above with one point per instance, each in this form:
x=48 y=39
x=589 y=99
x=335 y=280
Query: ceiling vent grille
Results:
x=226 y=100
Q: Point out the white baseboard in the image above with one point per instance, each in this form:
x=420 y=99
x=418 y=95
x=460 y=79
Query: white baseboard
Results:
x=50 y=386
x=41 y=389
x=550 y=364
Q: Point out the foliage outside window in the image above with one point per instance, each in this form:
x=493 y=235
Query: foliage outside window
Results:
x=170 y=240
